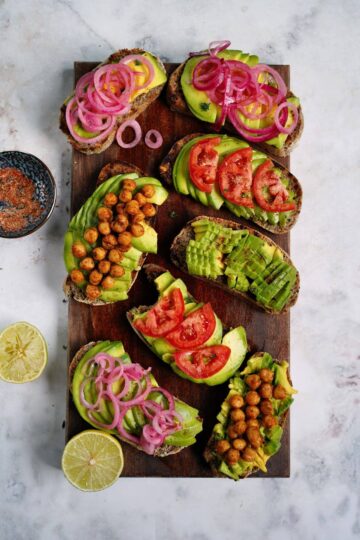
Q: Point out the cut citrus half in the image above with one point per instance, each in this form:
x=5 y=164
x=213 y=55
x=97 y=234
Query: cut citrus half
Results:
x=23 y=353
x=92 y=460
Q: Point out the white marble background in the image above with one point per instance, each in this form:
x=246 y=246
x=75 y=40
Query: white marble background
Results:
x=39 y=40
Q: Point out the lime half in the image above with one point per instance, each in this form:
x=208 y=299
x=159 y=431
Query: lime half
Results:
x=92 y=460
x=23 y=353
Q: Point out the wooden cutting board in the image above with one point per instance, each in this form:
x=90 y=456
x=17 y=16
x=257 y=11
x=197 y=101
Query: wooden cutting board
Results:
x=265 y=332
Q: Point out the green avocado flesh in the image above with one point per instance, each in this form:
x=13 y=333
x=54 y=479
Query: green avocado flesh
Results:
x=160 y=78
x=183 y=184
x=134 y=419
x=234 y=339
x=203 y=108
x=245 y=262
x=86 y=217
x=271 y=436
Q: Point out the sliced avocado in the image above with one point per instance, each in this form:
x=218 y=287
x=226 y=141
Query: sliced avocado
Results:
x=113 y=296
x=162 y=346
x=70 y=261
x=177 y=284
x=163 y=281
x=215 y=198
x=147 y=243
x=281 y=377
x=216 y=336
x=159 y=196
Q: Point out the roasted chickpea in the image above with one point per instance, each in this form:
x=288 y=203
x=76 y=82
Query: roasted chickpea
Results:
x=125 y=195
x=252 y=411
x=110 y=199
x=104 y=213
x=249 y=454
x=128 y=184
x=76 y=276
x=95 y=277
x=254 y=437
x=253 y=381
x=266 y=375
x=269 y=421
x=132 y=208
x=124 y=238
x=148 y=190
x=91 y=235
x=240 y=427
x=252 y=398
x=279 y=392
x=124 y=249
x=236 y=401
x=266 y=407
x=108 y=282
x=92 y=292
x=116 y=271
x=104 y=228
x=232 y=456
x=115 y=256
x=104 y=267
x=87 y=264
x=265 y=390
x=231 y=432
x=99 y=253
x=78 y=250
x=237 y=414
x=138 y=218
x=109 y=241
x=140 y=198
x=253 y=423
x=222 y=446
x=120 y=224
x=148 y=210
x=238 y=444
x=137 y=230
x=120 y=209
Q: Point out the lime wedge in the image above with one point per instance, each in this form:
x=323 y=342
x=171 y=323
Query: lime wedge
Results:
x=92 y=460
x=23 y=353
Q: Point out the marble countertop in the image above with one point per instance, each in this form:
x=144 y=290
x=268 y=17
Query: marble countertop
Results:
x=40 y=39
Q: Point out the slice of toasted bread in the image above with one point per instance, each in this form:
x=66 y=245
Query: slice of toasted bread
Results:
x=164 y=450
x=178 y=257
x=109 y=170
x=166 y=170
x=176 y=101
x=139 y=104
x=209 y=450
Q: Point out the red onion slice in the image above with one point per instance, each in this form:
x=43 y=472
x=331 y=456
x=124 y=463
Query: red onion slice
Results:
x=141 y=58
x=158 y=139
x=281 y=127
x=137 y=132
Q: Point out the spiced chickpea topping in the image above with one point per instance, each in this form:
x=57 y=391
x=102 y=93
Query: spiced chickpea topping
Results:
x=137 y=230
x=222 y=446
x=95 y=277
x=87 y=264
x=91 y=235
x=99 y=253
x=132 y=208
x=78 y=250
x=266 y=407
x=104 y=213
x=128 y=184
x=252 y=411
x=124 y=238
x=138 y=218
x=115 y=256
x=77 y=276
x=116 y=271
x=266 y=390
x=108 y=282
x=120 y=209
x=252 y=398
x=110 y=199
x=237 y=414
x=148 y=210
x=104 y=267
x=253 y=422
x=254 y=437
x=104 y=228
x=125 y=195
x=240 y=427
x=109 y=241
x=92 y=292
x=249 y=454
x=140 y=198
x=269 y=421
x=279 y=392
x=253 y=381
x=236 y=401
x=232 y=456
x=148 y=191
x=266 y=375
x=239 y=444
x=232 y=433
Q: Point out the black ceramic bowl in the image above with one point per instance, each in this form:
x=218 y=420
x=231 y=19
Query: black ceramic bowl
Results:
x=44 y=184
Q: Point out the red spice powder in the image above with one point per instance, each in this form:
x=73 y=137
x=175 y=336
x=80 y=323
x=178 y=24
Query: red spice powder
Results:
x=19 y=207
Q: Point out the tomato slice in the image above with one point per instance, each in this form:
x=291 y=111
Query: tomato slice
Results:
x=166 y=315
x=203 y=363
x=269 y=192
x=235 y=177
x=195 y=329
x=203 y=162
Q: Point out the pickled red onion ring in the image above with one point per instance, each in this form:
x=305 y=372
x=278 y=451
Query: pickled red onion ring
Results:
x=294 y=112
x=144 y=61
x=137 y=132
x=158 y=139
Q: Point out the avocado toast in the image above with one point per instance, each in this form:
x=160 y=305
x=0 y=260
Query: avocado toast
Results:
x=187 y=334
x=184 y=98
x=108 y=238
x=137 y=103
x=252 y=418
x=240 y=260
x=126 y=401
x=176 y=170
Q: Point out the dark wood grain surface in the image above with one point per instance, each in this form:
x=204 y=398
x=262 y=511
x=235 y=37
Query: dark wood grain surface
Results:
x=265 y=332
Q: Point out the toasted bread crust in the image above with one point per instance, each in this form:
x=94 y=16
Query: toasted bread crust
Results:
x=166 y=170
x=109 y=170
x=178 y=257
x=164 y=450
x=208 y=452
x=137 y=107
x=176 y=101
